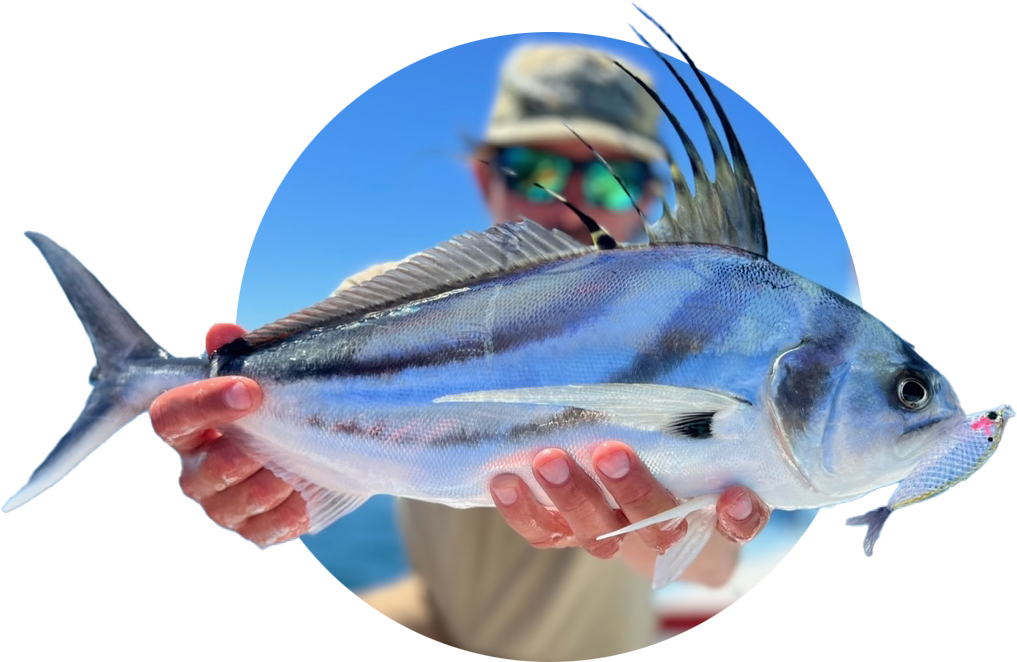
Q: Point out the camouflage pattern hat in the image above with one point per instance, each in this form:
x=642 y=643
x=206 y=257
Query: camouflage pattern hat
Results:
x=543 y=86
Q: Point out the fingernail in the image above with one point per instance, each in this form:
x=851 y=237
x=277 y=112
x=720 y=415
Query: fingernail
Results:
x=555 y=472
x=614 y=465
x=740 y=508
x=237 y=397
x=506 y=495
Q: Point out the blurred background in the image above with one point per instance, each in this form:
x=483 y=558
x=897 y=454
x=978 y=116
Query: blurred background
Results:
x=351 y=149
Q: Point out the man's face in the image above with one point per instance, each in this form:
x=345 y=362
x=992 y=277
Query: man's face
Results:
x=508 y=205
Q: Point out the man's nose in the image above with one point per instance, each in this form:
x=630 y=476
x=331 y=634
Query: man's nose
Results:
x=567 y=219
x=574 y=191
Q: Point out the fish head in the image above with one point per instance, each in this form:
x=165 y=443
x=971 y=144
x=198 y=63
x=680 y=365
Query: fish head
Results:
x=879 y=407
x=895 y=407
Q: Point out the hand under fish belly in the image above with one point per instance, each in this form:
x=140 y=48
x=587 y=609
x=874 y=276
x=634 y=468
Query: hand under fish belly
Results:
x=182 y=415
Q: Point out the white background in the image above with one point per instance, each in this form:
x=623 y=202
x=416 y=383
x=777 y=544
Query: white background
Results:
x=150 y=142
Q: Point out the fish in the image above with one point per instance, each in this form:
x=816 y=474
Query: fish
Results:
x=955 y=457
x=462 y=362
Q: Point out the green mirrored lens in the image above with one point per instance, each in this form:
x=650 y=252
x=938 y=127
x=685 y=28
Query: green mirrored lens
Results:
x=602 y=189
x=524 y=167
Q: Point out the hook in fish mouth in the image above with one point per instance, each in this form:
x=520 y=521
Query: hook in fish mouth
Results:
x=906 y=449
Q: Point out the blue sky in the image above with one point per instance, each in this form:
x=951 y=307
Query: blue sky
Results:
x=388 y=177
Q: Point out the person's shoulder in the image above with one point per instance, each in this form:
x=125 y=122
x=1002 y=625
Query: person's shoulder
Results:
x=367 y=274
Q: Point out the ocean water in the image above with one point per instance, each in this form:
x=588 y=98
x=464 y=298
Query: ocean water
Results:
x=360 y=550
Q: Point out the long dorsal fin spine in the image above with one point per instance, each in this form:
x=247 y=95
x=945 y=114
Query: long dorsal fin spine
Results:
x=716 y=147
x=614 y=174
x=726 y=189
x=601 y=239
x=724 y=211
x=685 y=204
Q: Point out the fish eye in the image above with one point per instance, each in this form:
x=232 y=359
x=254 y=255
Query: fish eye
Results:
x=912 y=392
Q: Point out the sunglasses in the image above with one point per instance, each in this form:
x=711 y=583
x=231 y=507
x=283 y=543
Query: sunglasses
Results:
x=522 y=167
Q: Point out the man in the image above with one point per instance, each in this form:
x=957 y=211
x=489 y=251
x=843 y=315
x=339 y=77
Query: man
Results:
x=486 y=587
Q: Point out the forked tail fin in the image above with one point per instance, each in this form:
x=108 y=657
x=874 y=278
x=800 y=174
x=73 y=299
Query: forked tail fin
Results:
x=124 y=380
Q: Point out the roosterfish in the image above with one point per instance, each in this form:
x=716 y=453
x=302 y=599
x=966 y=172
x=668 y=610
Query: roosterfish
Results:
x=717 y=366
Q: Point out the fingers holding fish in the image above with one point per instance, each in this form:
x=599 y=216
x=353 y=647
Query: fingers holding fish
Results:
x=541 y=527
x=287 y=521
x=214 y=468
x=183 y=415
x=235 y=489
x=579 y=500
x=637 y=493
x=232 y=487
x=222 y=334
x=741 y=515
x=258 y=494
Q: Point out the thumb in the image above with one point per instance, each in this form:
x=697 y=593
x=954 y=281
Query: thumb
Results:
x=222 y=334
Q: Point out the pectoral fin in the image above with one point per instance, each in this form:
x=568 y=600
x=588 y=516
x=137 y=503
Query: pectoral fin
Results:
x=700 y=513
x=687 y=412
x=676 y=513
x=673 y=563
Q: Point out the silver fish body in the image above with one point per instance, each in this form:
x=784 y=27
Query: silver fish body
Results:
x=355 y=406
x=717 y=366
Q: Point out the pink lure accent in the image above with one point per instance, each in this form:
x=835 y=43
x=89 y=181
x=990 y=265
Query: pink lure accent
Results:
x=983 y=424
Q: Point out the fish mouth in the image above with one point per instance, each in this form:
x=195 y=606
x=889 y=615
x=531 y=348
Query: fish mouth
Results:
x=906 y=449
x=927 y=424
x=994 y=418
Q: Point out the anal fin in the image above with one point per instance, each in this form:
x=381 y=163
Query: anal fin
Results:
x=324 y=505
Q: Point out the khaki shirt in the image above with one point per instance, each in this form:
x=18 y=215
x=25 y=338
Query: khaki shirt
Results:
x=490 y=592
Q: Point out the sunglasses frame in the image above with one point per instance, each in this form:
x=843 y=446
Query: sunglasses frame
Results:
x=534 y=195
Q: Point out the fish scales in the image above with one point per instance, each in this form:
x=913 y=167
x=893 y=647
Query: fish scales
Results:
x=359 y=397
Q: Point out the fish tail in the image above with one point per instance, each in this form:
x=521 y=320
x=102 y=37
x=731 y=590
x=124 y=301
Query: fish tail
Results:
x=131 y=370
x=874 y=519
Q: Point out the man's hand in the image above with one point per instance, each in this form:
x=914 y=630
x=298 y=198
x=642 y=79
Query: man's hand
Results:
x=240 y=494
x=236 y=491
x=582 y=513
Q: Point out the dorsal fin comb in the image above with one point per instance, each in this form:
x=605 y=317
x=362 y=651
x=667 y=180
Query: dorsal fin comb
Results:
x=725 y=211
